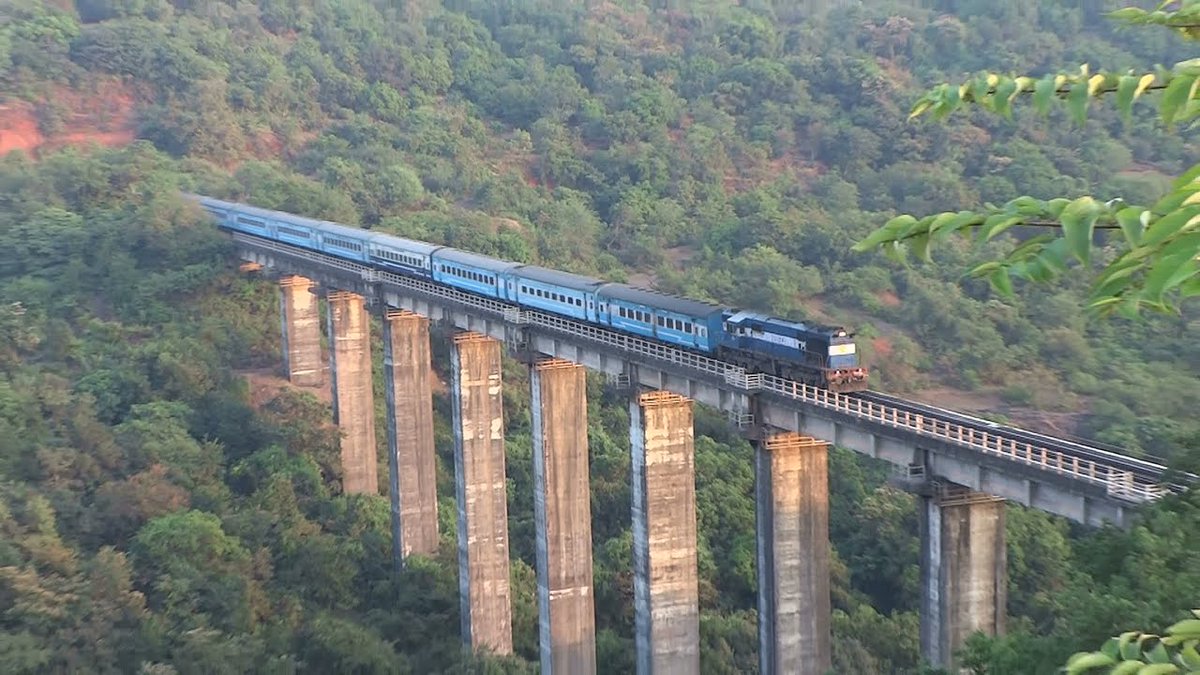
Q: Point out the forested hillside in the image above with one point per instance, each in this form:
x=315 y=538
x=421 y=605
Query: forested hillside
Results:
x=157 y=518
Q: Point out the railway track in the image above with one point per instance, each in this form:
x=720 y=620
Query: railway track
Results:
x=1143 y=470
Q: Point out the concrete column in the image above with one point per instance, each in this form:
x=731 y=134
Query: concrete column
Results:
x=353 y=394
x=300 y=316
x=412 y=465
x=963 y=570
x=792 y=486
x=563 y=519
x=479 y=484
x=665 y=589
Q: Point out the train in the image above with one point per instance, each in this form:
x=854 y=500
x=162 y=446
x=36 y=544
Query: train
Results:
x=824 y=356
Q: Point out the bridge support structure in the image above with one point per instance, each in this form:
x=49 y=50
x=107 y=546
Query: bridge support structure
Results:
x=300 y=319
x=480 y=489
x=412 y=463
x=792 y=486
x=563 y=518
x=353 y=391
x=963 y=570
x=665 y=586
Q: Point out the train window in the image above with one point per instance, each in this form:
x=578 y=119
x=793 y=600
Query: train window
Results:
x=293 y=232
x=252 y=222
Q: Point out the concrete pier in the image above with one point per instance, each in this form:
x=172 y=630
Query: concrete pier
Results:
x=792 y=486
x=300 y=316
x=412 y=464
x=665 y=589
x=479 y=483
x=563 y=519
x=353 y=394
x=964 y=572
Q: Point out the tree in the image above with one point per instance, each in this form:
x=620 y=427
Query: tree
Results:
x=1136 y=653
x=1154 y=263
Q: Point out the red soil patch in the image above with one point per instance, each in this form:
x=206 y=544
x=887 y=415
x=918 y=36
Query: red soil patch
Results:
x=888 y=298
x=266 y=383
x=958 y=399
x=18 y=128
x=102 y=118
x=882 y=347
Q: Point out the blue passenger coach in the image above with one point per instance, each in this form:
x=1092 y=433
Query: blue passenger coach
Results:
x=342 y=241
x=401 y=255
x=475 y=273
x=680 y=321
x=564 y=293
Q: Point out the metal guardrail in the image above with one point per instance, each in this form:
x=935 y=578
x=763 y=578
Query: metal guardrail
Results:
x=1118 y=483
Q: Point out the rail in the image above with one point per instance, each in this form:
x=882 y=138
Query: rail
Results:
x=1118 y=483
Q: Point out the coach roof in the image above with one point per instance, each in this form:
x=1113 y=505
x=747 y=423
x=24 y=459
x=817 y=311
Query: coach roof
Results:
x=544 y=275
x=671 y=303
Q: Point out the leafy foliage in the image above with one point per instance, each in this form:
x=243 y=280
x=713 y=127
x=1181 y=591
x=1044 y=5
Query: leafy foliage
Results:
x=1134 y=653
x=1155 y=264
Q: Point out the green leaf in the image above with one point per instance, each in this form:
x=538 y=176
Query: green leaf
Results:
x=1079 y=222
x=1178 y=91
x=984 y=269
x=1043 y=93
x=1081 y=663
x=1054 y=256
x=1159 y=669
x=1126 y=668
x=1077 y=102
x=1116 y=277
x=920 y=246
x=889 y=232
x=1168 y=273
x=1112 y=647
x=1127 y=14
x=1185 y=627
x=1169 y=225
x=1054 y=207
x=1158 y=654
x=1105 y=304
x=1125 y=88
x=1189 y=176
x=1005 y=90
x=1026 y=206
x=997 y=223
x=1189 y=656
x=920 y=107
x=1130 y=220
x=1128 y=646
x=1000 y=281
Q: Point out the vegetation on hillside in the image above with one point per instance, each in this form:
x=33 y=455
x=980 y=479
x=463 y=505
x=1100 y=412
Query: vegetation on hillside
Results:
x=1155 y=261
x=154 y=521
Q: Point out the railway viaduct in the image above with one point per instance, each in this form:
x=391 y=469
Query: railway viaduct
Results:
x=962 y=473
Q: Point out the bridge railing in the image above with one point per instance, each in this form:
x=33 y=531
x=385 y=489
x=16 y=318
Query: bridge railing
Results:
x=1118 y=483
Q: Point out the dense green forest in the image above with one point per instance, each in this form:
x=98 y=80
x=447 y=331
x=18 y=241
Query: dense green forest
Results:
x=153 y=520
